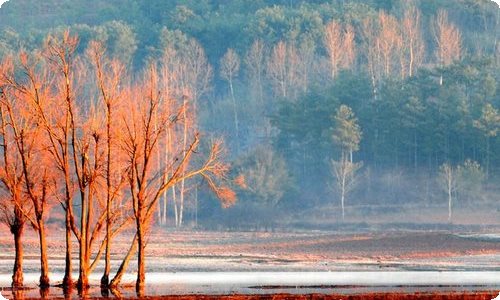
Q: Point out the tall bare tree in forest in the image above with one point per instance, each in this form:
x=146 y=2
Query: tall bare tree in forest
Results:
x=283 y=68
x=389 y=41
x=333 y=45
x=229 y=70
x=413 y=51
x=347 y=136
x=277 y=69
x=170 y=87
x=195 y=76
x=340 y=45
x=195 y=72
x=305 y=57
x=255 y=64
x=349 y=47
x=371 y=50
x=448 y=40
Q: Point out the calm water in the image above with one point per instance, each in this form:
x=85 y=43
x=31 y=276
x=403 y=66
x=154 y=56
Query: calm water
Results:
x=251 y=283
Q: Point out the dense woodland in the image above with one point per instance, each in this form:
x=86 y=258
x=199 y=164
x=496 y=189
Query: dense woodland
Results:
x=320 y=104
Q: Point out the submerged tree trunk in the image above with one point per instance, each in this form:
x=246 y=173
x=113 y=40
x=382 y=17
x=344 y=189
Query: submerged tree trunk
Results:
x=124 y=265
x=68 y=269
x=44 y=263
x=107 y=260
x=141 y=271
x=83 y=281
x=17 y=229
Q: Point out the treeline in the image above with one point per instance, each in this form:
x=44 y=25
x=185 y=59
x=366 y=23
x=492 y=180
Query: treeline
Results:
x=83 y=133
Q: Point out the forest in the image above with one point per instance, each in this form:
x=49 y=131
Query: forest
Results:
x=125 y=114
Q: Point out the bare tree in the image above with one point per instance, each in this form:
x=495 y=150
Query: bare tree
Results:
x=58 y=131
x=448 y=40
x=371 y=49
x=12 y=200
x=389 y=41
x=447 y=179
x=147 y=183
x=340 y=45
x=345 y=173
x=109 y=76
x=348 y=47
x=230 y=67
x=255 y=64
x=195 y=75
x=283 y=70
x=277 y=69
x=413 y=51
x=333 y=45
x=28 y=143
x=83 y=132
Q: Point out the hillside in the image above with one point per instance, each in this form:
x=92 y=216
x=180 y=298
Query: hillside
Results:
x=419 y=79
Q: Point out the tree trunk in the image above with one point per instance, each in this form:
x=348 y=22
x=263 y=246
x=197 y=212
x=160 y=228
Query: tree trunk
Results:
x=196 y=206
x=44 y=264
x=487 y=158
x=158 y=213
x=68 y=269
x=83 y=281
x=168 y=146
x=124 y=265
x=235 y=113
x=107 y=262
x=176 y=210
x=165 y=206
x=415 y=152
x=18 y=294
x=181 y=207
x=17 y=230
x=449 y=202
x=342 y=191
x=261 y=90
x=184 y=145
x=68 y=280
x=141 y=275
x=342 y=198
x=410 y=71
